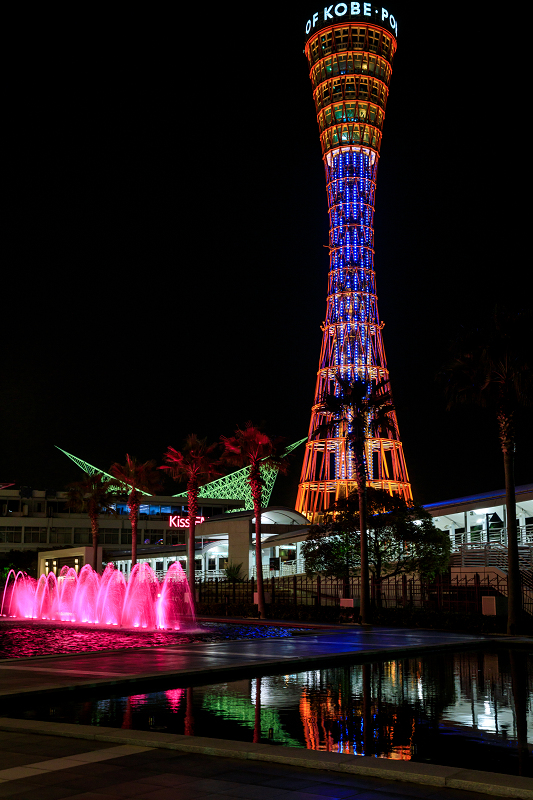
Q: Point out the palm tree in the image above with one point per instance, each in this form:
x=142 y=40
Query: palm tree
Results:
x=196 y=464
x=136 y=478
x=363 y=408
x=491 y=367
x=91 y=494
x=254 y=449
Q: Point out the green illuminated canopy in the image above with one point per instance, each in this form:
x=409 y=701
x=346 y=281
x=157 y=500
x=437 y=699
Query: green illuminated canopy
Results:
x=234 y=486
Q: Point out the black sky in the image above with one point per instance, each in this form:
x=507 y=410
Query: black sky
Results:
x=166 y=270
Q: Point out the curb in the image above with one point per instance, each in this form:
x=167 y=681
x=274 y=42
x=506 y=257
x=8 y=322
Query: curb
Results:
x=427 y=774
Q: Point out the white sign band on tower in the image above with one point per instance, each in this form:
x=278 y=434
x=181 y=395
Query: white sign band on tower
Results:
x=355 y=10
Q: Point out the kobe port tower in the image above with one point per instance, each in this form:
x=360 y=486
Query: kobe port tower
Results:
x=350 y=49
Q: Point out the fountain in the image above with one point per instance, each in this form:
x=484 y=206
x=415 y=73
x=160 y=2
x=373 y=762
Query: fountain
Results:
x=108 y=599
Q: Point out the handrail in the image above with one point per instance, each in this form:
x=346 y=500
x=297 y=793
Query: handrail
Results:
x=496 y=537
x=490 y=555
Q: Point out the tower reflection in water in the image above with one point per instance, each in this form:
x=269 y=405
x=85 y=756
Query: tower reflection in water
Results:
x=469 y=709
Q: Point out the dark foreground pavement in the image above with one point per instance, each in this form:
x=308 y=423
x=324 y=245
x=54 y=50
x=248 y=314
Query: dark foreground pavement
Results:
x=43 y=767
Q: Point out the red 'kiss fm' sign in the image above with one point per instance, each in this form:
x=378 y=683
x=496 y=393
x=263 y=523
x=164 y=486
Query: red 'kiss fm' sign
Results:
x=182 y=522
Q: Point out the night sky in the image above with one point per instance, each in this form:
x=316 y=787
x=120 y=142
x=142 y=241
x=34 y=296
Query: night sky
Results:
x=166 y=270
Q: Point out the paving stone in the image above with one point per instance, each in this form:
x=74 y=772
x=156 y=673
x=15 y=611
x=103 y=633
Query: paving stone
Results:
x=12 y=789
x=214 y=785
x=91 y=796
x=45 y=793
x=257 y=792
x=170 y=793
x=8 y=760
x=331 y=790
x=168 y=779
x=287 y=782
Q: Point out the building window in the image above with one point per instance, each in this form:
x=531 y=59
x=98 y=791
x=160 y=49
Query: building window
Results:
x=176 y=538
x=35 y=535
x=151 y=536
x=109 y=536
x=325 y=42
x=125 y=538
x=341 y=38
x=60 y=536
x=358 y=38
x=11 y=535
x=82 y=536
x=373 y=41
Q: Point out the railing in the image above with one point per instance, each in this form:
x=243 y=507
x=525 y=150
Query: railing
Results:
x=296 y=567
x=490 y=555
x=457 y=594
x=496 y=537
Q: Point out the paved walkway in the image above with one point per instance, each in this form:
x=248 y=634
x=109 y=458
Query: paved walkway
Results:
x=42 y=767
x=207 y=661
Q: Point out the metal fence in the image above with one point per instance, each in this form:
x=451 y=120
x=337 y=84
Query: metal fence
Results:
x=446 y=594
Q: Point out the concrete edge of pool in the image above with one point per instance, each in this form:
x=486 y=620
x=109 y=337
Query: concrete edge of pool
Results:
x=429 y=774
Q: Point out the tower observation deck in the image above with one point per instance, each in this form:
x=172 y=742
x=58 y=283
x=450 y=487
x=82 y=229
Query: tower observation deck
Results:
x=350 y=48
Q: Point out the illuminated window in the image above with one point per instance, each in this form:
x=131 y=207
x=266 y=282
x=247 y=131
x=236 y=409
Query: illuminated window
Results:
x=373 y=41
x=358 y=38
x=385 y=45
x=349 y=91
x=325 y=42
x=341 y=38
x=340 y=65
x=363 y=88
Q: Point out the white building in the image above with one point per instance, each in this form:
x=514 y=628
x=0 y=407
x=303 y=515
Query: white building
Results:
x=37 y=520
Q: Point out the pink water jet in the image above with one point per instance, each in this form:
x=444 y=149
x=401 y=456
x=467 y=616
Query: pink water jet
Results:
x=108 y=599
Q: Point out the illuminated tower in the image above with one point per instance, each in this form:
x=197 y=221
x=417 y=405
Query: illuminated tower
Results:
x=349 y=49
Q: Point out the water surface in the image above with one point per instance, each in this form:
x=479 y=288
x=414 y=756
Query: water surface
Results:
x=468 y=709
x=23 y=639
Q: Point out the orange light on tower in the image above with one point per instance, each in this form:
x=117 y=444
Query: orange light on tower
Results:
x=350 y=49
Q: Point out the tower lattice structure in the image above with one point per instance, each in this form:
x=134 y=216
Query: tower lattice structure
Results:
x=350 y=60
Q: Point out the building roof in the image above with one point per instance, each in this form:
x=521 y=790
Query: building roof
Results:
x=522 y=493
x=273 y=515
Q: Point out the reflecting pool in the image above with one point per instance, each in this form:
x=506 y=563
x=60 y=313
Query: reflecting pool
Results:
x=466 y=709
x=22 y=639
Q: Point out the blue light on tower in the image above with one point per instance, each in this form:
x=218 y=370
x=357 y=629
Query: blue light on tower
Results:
x=350 y=49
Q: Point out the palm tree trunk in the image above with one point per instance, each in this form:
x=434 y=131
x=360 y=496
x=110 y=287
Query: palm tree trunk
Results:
x=514 y=600
x=134 y=514
x=365 y=587
x=256 y=488
x=257 y=713
x=94 y=531
x=192 y=500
